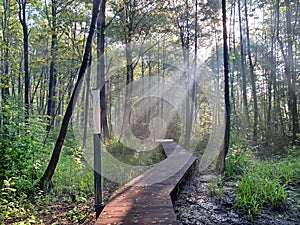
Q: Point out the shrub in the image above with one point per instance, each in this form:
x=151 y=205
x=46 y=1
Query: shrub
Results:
x=22 y=153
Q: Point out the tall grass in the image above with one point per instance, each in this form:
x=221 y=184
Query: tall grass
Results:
x=265 y=184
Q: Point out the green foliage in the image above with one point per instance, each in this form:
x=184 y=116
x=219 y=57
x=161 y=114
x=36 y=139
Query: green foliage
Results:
x=265 y=184
x=129 y=156
x=174 y=130
x=14 y=205
x=73 y=176
x=22 y=149
x=22 y=158
x=76 y=215
x=238 y=160
x=133 y=157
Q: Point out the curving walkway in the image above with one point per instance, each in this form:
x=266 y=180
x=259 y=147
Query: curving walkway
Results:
x=147 y=198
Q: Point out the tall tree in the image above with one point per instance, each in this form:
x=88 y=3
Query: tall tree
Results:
x=289 y=70
x=288 y=62
x=243 y=68
x=223 y=153
x=252 y=77
x=47 y=176
x=52 y=71
x=5 y=49
x=23 y=20
x=101 y=68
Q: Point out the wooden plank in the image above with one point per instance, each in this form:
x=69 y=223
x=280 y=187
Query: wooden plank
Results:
x=168 y=146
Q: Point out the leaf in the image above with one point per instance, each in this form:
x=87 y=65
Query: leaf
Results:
x=6 y=183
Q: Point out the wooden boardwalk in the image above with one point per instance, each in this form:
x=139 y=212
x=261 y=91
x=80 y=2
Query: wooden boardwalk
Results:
x=147 y=198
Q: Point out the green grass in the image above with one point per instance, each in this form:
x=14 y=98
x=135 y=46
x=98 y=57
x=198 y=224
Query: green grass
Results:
x=262 y=183
x=265 y=184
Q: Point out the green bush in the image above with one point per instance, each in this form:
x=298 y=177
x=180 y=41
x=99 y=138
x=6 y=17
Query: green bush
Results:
x=73 y=176
x=13 y=205
x=22 y=152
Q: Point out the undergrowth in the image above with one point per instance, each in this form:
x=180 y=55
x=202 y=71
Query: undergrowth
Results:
x=24 y=157
x=262 y=183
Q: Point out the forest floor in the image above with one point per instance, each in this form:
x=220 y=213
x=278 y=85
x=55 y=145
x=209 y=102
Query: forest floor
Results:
x=67 y=208
x=201 y=200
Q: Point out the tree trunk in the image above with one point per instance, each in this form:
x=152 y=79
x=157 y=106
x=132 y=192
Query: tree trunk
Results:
x=232 y=75
x=5 y=75
x=253 y=80
x=47 y=176
x=22 y=17
x=86 y=107
x=243 y=71
x=288 y=61
x=129 y=63
x=185 y=35
x=101 y=68
x=223 y=153
x=52 y=73
x=290 y=73
x=4 y=78
x=190 y=125
x=272 y=81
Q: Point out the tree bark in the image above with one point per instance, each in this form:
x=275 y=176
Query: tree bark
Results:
x=22 y=17
x=101 y=69
x=5 y=76
x=223 y=153
x=129 y=19
x=51 y=102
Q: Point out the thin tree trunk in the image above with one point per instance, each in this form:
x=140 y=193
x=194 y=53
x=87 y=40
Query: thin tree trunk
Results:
x=52 y=73
x=253 y=80
x=272 y=80
x=4 y=78
x=86 y=108
x=232 y=77
x=290 y=73
x=288 y=61
x=244 y=80
x=223 y=153
x=129 y=63
x=22 y=17
x=190 y=126
x=101 y=69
